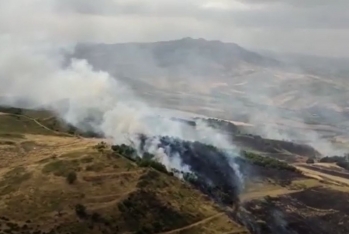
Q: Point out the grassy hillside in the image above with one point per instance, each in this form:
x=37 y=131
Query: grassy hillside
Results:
x=51 y=182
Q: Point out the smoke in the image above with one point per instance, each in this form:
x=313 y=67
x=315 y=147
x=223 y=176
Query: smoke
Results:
x=34 y=73
x=291 y=106
x=222 y=80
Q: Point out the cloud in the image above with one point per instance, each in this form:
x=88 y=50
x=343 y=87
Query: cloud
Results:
x=309 y=26
x=250 y=13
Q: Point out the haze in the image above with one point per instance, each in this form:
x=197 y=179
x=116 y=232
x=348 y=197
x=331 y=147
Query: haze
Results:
x=310 y=27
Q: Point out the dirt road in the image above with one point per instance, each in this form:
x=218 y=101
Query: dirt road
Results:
x=194 y=224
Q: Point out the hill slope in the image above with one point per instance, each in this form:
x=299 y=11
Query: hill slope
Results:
x=226 y=81
x=56 y=183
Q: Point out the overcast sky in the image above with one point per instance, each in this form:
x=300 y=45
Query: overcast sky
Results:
x=308 y=26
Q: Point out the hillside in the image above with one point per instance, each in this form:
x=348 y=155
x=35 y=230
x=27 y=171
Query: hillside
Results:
x=54 y=179
x=52 y=182
x=226 y=81
x=184 y=57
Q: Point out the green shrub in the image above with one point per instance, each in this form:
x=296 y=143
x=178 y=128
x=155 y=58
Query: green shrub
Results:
x=153 y=164
x=125 y=150
x=101 y=147
x=146 y=161
x=267 y=161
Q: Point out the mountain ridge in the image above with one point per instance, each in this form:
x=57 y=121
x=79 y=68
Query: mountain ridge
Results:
x=176 y=57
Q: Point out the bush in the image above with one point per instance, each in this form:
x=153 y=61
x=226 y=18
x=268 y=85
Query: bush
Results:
x=334 y=159
x=96 y=217
x=310 y=161
x=344 y=165
x=148 y=156
x=101 y=147
x=147 y=160
x=71 y=177
x=153 y=164
x=80 y=211
x=267 y=161
x=124 y=150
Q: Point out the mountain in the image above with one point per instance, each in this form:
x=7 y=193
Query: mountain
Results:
x=299 y=98
x=332 y=67
x=185 y=57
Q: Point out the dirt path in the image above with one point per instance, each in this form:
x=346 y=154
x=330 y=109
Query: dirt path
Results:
x=316 y=175
x=194 y=224
x=109 y=175
x=105 y=200
x=40 y=124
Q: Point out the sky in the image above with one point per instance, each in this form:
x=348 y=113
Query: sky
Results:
x=319 y=27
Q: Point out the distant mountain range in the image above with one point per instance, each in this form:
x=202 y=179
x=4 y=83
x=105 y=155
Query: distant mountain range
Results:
x=196 y=57
x=224 y=80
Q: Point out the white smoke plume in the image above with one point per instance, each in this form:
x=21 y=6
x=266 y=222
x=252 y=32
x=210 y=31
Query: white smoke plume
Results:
x=32 y=68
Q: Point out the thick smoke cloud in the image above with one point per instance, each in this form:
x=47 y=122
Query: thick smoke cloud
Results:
x=33 y=72
x=272 y=120
x=36 y=74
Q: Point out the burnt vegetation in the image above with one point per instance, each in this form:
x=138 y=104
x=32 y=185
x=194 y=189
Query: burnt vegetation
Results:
x=341 y=161
x=267 y=162
x=242 y=137
x=287 y=214
x=145 y=161
x=211 y=169
x=206 y=168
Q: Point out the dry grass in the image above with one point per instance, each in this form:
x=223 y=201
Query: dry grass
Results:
x=259 y=190
x=35 y=195
x=33 y=187
x=304 y=184
x=323 y=176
